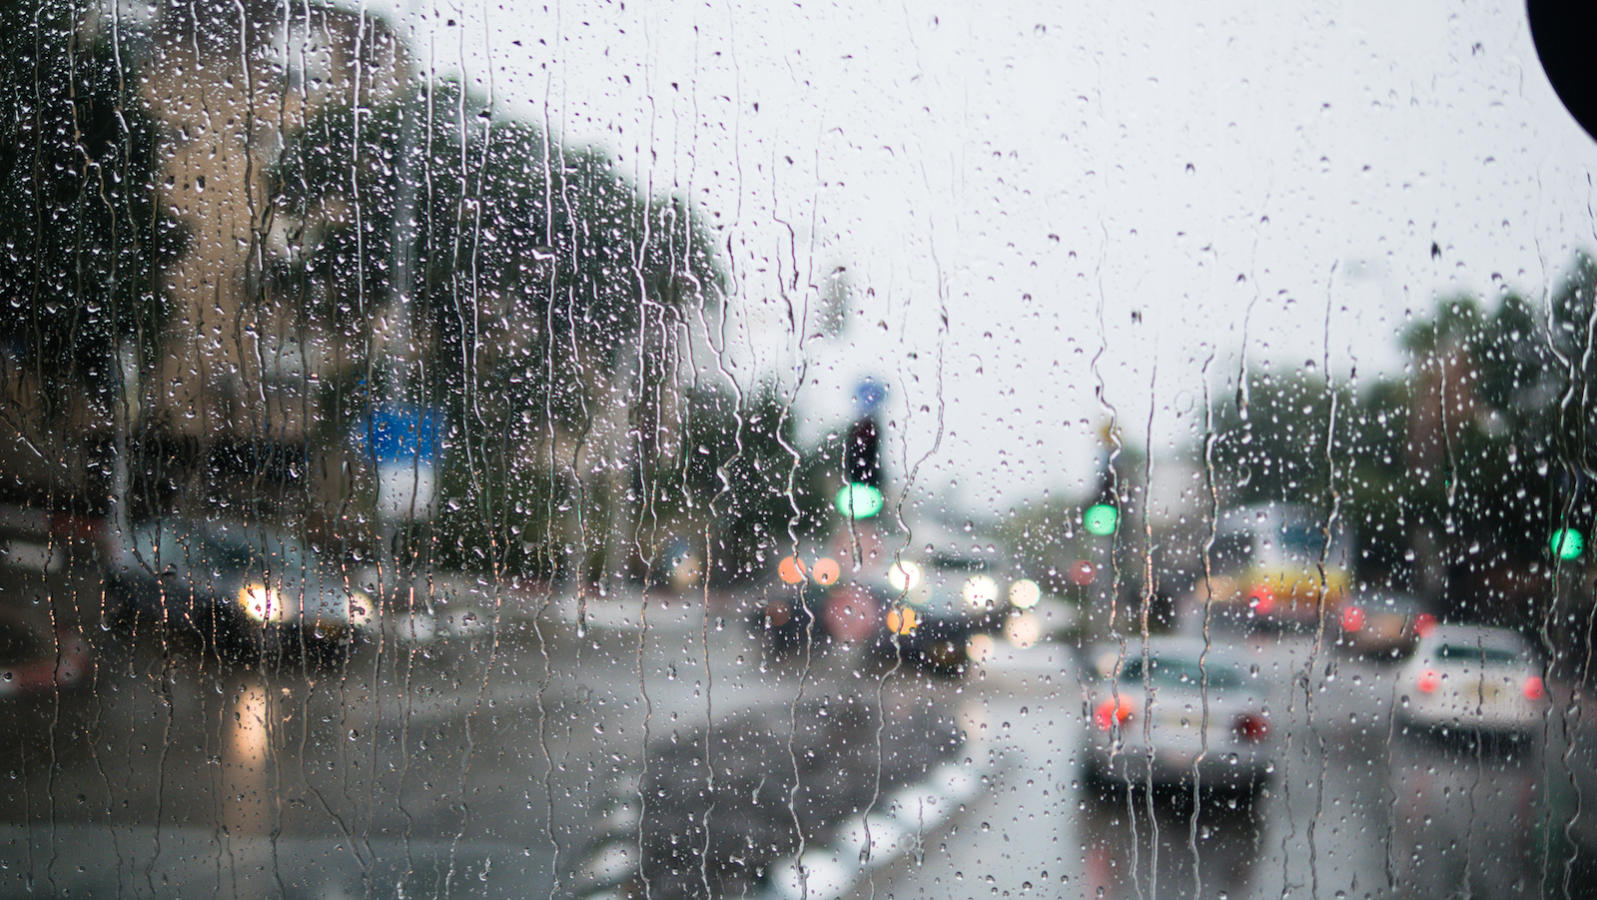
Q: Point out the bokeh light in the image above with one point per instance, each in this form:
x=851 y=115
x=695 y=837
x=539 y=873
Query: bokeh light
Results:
x=859 y=501
x=904 y=575
x=1567 y=543
x=825 y=571
x=980 y=591
x=902 y=620
x=790 y=570
x=1100 y=519
x=1024 y=594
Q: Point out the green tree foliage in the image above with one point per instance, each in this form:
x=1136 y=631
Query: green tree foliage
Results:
x=82 y=236
x=1472 y=457
x=745 y=472
x=549 y=299
x=504 y=227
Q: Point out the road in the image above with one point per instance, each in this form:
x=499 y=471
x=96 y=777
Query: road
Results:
x=1358 y=808
x=477 y=753
x=492 y=757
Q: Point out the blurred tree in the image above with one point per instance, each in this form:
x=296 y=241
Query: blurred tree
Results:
x=1455 y=475
x=747 y=478
x=82 y=235
x=1275 y=443
x=543 y=299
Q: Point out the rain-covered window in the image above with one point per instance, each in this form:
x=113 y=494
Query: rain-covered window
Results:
x=796 y=451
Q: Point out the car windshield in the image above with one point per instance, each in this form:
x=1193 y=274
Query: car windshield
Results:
x=593 y=449
x=261 y=553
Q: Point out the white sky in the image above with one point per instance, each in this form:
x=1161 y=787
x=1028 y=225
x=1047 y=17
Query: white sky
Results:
x=1150 y=187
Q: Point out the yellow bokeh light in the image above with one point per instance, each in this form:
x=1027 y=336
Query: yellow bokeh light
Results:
x=902 y=620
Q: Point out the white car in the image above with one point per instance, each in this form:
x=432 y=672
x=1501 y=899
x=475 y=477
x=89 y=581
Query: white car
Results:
x=1154 y=729
x=1472 y=678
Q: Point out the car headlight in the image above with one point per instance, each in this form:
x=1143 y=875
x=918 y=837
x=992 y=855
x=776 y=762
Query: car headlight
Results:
x=1024 y=594
x=261 y=603
x=904 y=576
x=1023 y=629
x=981 y=592
x=362 y=611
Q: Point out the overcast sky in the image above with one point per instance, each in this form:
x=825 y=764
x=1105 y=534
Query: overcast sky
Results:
x=1016 y=191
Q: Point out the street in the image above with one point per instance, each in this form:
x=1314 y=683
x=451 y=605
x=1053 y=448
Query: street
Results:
x=478 y=759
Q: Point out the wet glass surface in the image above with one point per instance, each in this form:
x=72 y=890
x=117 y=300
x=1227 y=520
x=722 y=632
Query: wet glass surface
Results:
x=818 y=451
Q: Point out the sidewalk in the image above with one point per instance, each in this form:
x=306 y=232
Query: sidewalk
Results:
x=461 y=606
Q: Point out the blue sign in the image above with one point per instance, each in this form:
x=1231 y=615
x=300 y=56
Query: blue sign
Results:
x=402 y=433
x=868 y=396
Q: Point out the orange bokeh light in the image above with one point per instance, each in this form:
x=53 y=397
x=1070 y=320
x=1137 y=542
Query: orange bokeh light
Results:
x=790 y=570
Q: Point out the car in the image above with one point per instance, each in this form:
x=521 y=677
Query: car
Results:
x=1148 y=725
x=37 y=661
x=232 y=585
x=933 y=610
x=1472 y=679
x=1383 y=624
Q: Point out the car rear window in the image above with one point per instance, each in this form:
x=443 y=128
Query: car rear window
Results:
x=1468 y=653
x=1183 y=673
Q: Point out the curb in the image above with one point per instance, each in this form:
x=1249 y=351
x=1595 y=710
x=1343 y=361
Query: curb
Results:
x=899 y=826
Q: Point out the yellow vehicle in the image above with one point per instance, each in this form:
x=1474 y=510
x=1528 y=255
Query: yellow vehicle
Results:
x=1276 y=564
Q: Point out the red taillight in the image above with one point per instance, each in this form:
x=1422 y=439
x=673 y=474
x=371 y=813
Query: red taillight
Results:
x=1533 y=688
x=1352 y=618
x=1111 y=713
x=1251 y=727
x=1262 y=599
x=1428 y=681
x=1423 y=623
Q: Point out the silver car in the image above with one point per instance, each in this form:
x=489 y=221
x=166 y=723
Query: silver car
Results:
x=1475 y=679
x=1187 y=715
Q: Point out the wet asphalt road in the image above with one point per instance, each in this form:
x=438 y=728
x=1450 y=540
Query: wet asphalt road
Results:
x=1358 y=806
x=485 y=762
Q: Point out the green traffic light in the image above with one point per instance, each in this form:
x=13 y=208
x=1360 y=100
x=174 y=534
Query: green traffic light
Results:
x=859 y=501
x=1100 y=519
x=1567 y=543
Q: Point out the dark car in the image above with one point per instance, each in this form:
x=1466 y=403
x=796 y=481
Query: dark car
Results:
x=36 y=661
x=232 y=586
x=1383 y=624
x=815 y=592
x=935 y=609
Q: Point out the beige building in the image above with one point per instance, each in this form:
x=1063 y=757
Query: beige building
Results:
x=240 y=370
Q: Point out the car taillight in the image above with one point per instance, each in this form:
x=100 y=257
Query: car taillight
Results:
x=1428 y=681
x=1262 y=599
x=1423 y=623
x=1533 y=688
x=1251 y=727
x=1352 y=618
x=1110 y=713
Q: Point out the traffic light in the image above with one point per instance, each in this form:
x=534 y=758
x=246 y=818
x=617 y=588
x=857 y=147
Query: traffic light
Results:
x=862 y=454
x=1567 y=543
x=859 y=501
x=1100 y=519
